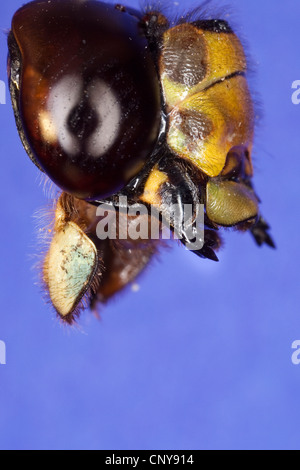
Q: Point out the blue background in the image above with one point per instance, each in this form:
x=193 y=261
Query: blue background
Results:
x=200 y=356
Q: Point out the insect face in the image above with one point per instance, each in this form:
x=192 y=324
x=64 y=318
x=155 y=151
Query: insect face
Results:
x=112 y=103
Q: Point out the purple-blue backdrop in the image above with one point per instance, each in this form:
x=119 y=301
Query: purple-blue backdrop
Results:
x=200 y=356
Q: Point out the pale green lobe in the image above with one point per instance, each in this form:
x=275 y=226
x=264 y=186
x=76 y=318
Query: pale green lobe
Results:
x=70 y=267
x=229 y=203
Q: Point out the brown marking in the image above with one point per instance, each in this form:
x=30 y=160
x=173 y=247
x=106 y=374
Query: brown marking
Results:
x=195 y=124
x=188 y=68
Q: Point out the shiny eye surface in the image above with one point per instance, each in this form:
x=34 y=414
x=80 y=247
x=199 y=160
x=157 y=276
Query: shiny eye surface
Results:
x=86 y=93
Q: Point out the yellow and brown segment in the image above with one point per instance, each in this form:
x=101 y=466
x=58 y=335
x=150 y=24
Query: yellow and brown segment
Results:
x=152 y=189
x=206 y=95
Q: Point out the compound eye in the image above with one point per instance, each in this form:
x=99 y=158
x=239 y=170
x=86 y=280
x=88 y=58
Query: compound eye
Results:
x=85 y=93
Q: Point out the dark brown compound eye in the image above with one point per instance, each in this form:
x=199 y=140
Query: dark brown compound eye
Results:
x=85 y=93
